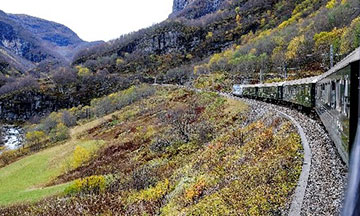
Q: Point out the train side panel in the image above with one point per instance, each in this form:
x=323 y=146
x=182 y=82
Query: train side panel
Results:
x=301 y=94
x=333 y=107
x=270 y=92
x=251 y=92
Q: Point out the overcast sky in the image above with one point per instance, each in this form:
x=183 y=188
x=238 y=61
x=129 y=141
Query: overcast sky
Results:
x=94 y=19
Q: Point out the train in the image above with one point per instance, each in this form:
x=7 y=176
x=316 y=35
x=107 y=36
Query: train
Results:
x=329 y=95
x=334 y=96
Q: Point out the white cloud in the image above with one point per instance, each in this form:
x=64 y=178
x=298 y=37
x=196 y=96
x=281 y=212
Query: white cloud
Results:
x=93 y=19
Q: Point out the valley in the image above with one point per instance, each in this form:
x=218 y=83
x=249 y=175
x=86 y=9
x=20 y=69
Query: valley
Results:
x=147 y=124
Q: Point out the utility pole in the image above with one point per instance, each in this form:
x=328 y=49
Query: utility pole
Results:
x=331 y=56
x=261 y=75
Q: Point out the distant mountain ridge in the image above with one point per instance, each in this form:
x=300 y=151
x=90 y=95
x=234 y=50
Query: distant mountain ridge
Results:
x=26 y=41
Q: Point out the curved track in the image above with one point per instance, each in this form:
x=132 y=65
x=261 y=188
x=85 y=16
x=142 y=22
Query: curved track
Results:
x=327 y=176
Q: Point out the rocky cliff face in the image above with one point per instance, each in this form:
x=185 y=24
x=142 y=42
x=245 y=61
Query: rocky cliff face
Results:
x=179 y=5
x=193 y=9
x=25 y=104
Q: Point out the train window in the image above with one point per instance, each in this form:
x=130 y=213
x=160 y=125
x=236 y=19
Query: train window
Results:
x=347 y=88
x=346 y=109
x=337 y=96
x=328 y=94
x=333 y=95
x=341 y=95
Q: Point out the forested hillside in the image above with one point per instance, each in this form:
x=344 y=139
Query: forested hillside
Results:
x=181 y=41
x=251 y=36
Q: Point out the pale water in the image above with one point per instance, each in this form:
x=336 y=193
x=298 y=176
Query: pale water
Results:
x=12 y=137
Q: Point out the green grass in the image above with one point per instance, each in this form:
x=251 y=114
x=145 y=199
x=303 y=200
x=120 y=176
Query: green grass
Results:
x=23 y=181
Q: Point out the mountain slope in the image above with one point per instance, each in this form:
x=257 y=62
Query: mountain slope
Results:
x=26 y=41
x=239 y=39
x=183 y=38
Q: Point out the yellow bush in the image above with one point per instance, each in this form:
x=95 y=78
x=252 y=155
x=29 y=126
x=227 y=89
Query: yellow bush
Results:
x=195 y=190
x=119 y=61
x=80 y=156
x=151 y=193
x=35 y=136
x=350 y=39
x=189 y=56
x=331 y=4
x=294 y=47
x=209 y=35
x=92 y=184
x=290 y=21
x=83 y=71
x=59 y=133
x=325 y=39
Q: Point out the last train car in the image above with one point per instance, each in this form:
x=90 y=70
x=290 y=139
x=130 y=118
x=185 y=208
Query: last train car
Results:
x=336 y=90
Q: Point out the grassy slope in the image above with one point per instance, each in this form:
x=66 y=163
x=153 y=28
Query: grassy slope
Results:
x=24 y=180
x=242 y=168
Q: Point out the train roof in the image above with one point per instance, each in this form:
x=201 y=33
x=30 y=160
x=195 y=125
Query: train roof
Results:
x=313 y=79
x=285 y=83
x=260 y=85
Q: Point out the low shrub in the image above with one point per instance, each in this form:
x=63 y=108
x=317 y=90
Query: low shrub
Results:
x=80 y=156
x=59 y=133
x=88 y=185
x=153 y=193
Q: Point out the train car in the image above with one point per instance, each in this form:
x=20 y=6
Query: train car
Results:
x=237 y=90
x=250 y=91
x=335 y=91
x=300 y=92
x=270 y=91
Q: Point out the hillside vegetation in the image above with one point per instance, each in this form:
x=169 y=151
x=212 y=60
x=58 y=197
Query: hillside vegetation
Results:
x=211 y=47
x=240 y=40
x=299 y=46
x=169 y=152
